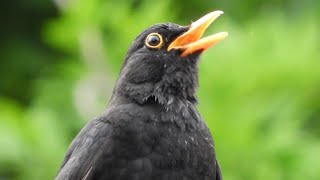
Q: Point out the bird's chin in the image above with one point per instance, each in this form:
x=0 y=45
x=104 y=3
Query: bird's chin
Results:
x=194 y=57
x=190 y=57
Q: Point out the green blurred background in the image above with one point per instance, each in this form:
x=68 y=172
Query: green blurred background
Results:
x=259 y=88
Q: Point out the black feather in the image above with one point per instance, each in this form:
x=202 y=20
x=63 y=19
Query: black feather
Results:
x=151 y=128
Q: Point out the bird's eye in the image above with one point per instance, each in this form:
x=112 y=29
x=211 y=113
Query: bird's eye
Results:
x=154 y=41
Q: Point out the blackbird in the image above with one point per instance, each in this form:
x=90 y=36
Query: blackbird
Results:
x=151 y=128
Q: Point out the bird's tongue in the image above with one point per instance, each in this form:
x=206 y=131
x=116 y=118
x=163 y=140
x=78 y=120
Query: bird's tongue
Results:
x=190 y=42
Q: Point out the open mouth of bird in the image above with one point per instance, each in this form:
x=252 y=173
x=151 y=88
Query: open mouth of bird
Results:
x=190 y=42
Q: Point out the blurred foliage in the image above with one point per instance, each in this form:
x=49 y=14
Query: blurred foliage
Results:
x=259 y=88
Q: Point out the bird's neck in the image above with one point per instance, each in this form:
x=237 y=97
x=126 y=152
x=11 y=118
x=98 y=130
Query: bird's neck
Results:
x=183 y=113
x=170 y=96
x=174 y=89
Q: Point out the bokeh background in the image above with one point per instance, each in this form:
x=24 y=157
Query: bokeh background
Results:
x=259 y=88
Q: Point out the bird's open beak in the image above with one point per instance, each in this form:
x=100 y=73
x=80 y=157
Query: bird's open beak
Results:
x=190 y=42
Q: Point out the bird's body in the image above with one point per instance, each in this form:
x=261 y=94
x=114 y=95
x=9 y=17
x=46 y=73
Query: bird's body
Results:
x=151 y=128
x=143 y=143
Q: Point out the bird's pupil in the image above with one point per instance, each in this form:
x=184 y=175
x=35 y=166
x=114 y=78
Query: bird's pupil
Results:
x=153 y=40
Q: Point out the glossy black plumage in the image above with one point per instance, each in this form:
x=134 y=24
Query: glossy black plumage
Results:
x=151 y=128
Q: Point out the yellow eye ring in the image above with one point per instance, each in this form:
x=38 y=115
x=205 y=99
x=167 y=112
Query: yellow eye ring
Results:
x=154 y=41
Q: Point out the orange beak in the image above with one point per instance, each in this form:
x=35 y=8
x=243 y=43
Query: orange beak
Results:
x=190 y=42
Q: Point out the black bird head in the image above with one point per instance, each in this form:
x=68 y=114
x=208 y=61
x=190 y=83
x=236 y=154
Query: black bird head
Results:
x=161 y=64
